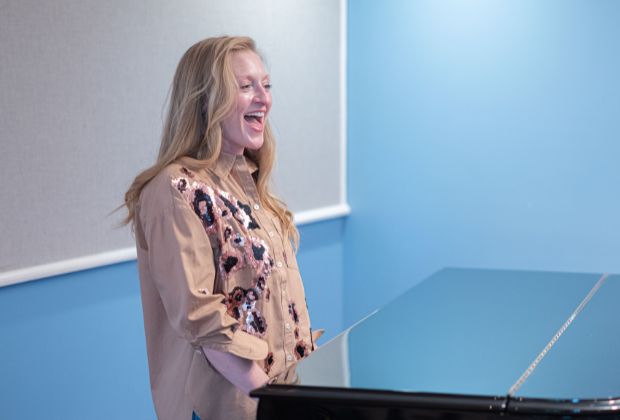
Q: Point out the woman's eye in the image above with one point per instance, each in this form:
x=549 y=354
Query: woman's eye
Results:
x=246 y=87
x=267 y=86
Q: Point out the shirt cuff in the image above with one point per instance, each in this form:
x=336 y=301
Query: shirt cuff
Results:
x=243 y=345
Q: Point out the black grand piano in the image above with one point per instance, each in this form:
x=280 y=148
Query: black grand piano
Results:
x=469 y=344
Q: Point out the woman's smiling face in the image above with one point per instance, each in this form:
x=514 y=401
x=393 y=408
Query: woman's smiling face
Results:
x=245 y=126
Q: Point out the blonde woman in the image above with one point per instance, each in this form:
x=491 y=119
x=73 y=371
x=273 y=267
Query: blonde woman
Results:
x=223 y=301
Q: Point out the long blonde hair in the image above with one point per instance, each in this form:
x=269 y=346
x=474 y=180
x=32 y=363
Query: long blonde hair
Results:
x=202 y=96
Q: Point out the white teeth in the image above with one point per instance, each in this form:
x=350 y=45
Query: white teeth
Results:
x=255 y=114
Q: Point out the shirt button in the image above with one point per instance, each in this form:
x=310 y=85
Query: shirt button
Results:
x=256 y=207
x=288 y=326
x=279 y=264
x=289 y=357
x=271 y=234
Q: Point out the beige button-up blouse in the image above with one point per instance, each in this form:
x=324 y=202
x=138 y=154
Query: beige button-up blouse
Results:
x=215 y=272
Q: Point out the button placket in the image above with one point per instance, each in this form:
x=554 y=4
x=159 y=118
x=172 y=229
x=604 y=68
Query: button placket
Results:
x=247 y=182
x=288 y=340
x=272 y=235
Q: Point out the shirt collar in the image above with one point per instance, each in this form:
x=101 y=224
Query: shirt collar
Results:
x=226 y=161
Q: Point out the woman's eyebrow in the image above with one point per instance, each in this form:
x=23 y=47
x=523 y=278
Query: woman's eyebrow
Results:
x=251 y=77
x=245 y=79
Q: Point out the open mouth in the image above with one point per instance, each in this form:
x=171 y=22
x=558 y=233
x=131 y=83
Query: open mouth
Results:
x=255 y=120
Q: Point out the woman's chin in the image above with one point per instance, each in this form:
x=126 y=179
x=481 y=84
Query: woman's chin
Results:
x=255 y=144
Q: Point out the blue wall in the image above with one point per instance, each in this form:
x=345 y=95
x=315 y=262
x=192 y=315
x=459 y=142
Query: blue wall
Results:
x=481 y=133
x=72 y=346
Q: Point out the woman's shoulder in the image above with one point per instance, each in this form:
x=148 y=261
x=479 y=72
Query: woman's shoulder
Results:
x=159 y=191
x=164 y=187
x=163 y=180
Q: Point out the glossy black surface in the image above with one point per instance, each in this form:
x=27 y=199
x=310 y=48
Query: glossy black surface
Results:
x=278 y=402
x=290 y=402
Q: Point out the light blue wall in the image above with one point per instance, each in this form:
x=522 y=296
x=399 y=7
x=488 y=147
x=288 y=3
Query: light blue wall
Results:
x=72 y=346
x=481 y=133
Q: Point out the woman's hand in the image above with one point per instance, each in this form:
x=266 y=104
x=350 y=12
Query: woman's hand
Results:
x=316 y=334
x=243 y=373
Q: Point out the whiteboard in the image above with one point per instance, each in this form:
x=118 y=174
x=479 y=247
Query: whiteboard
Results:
x=84 y=85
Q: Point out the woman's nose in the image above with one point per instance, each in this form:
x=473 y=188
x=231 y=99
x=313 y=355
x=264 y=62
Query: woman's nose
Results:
x=261 y=95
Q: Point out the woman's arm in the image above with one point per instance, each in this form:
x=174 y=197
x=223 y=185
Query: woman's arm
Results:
x=181 y=266
x=243 y=373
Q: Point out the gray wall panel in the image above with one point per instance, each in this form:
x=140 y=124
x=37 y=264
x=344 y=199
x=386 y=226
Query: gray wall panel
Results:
x=83 y=91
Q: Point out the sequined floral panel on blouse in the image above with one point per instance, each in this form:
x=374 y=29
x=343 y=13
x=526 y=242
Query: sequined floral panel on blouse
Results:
x=229 y=223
